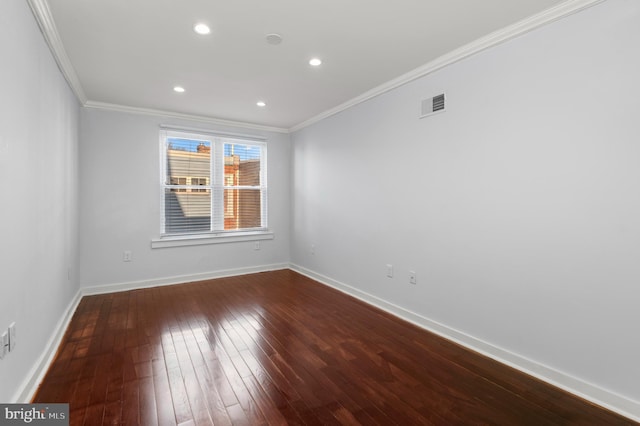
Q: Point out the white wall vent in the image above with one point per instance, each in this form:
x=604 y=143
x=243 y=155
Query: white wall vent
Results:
x=433 y=105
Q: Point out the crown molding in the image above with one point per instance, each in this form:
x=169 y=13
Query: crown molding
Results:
x=545 y=17
x=181 y=116
x=42 y=13
x=47 y=25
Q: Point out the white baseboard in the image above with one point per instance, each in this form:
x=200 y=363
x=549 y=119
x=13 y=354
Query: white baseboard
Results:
x=181 y=279
x=588 y=391
x=29 y=386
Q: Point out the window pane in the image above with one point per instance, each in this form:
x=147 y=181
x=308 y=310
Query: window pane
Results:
x=199 y=182
x=186 y=158
x=242 y=164
x=187 y=212
x=242 y=208
x=212 y=183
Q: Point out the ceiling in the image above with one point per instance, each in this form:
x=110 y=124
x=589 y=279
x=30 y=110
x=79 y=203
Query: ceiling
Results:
x=130 y=54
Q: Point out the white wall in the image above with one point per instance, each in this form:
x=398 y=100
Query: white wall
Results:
x=120 y=206
x=38 y=182
x=518 y=208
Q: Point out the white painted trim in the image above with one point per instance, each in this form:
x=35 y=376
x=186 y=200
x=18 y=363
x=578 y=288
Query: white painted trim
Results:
x=42 y=13
x=181 y=279
x=30 y=385
x=45 y=20
x=261 y=140
x=198 y=240
x=552 y=14
x=181 y=116
x=595 y=394
x=590 y=392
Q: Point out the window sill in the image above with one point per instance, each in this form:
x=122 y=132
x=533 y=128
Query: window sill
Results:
x=198 y=240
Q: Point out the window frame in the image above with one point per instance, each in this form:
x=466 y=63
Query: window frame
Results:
x=216 y=186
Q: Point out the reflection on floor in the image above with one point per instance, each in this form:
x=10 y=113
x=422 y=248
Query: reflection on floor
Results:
x=279 y=348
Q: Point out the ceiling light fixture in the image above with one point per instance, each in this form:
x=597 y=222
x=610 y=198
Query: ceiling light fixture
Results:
x=315 y=62
x=274 y=39
x=178 y=89
x=202 y=29
x=261 y=104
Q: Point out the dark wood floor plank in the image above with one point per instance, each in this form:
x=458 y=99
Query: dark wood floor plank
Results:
x=112 y=413
x=147 y=401
x=278 y=348
x=162 y=392
x=130 y=403
x=245 y=399
x=175 y=379
x=76 y=416
x=211 y=408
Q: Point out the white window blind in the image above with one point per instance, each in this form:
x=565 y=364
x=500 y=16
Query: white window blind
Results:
x=212 y=184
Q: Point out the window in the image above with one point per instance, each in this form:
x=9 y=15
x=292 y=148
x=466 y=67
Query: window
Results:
x=176 y=181
x=212 y=184
x=199 y=182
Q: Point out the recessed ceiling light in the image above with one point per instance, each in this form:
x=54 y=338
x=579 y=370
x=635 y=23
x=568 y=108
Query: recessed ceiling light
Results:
x=202 y=29
x=178 y=89
x=315 y=62
x=261 y=103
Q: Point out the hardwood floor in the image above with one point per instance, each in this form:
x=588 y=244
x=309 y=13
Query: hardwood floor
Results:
x=278 y=348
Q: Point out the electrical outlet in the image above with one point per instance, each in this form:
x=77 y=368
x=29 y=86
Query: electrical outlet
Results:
x=127 y=256
x=256 y=245
x=412 y=277
x=313 y=249
x=12 y=336
x=4 y=344
x=389 y=270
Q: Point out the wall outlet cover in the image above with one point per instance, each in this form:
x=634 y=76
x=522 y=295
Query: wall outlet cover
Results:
x=12 y=336
x=4 y=344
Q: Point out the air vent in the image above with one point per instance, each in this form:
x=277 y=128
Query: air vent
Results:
x=433 y=105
